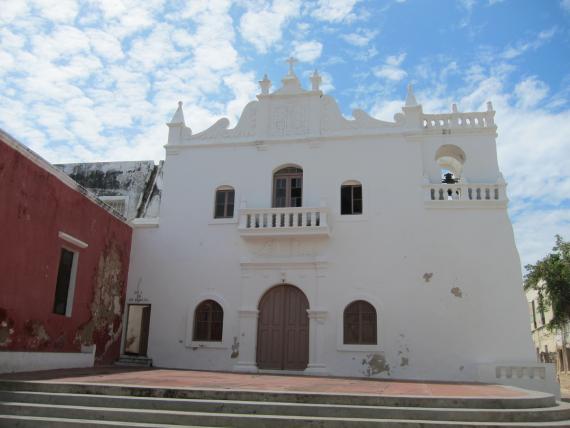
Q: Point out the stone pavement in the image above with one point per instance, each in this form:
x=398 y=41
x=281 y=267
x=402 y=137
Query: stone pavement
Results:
x=265 y=382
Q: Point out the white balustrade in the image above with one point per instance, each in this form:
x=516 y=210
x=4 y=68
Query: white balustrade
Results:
x=283 y=221
x=459 y=120
x=465 y=192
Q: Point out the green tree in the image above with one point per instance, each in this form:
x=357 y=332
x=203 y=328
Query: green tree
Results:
x=550 y=277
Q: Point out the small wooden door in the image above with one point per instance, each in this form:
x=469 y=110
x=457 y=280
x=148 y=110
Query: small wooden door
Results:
x=138 y=323
x=288 y=188
x=283 y=329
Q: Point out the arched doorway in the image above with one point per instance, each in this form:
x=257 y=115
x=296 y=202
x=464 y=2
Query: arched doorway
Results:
x=283 y=329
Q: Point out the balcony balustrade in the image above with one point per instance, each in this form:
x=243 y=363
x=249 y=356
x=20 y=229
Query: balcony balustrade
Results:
x=465 y=192
x=283 y=221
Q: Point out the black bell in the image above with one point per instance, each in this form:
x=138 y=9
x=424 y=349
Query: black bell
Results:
x=448 y=178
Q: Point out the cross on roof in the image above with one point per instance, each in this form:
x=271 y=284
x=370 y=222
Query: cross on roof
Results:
x=291 y=61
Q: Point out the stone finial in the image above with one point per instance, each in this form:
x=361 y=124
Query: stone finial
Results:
x=292 y=62
x=316 y=80
x=489 y=106
x=454 y=108
x=178 y=118
x=410 y=97
x=265 y=84
x=178 y=132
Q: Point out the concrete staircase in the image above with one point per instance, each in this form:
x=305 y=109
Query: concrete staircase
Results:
x=45 y=404
x=134 y=361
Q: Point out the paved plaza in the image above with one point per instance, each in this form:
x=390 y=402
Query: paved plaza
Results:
x=191 y=379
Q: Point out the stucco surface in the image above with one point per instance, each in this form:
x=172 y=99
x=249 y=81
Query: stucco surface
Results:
x=443 y=275
x=36 y=206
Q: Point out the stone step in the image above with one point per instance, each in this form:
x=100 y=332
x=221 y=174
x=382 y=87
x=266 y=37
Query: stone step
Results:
x=533 y=400
x=15 y=421
x=557 y=413
x=133 y=361
x=176 y=418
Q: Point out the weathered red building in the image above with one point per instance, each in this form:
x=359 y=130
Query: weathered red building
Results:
x=64 y=259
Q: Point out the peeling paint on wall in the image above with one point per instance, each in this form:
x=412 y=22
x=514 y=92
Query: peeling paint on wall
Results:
x=6 y=328
x=427 y=276
x=403 y=351
x=37 y=334
x=104 y=327
x=374 y=364
x=235 y=348
x=456 y=291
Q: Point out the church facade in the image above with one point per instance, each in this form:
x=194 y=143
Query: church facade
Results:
x=301 y=241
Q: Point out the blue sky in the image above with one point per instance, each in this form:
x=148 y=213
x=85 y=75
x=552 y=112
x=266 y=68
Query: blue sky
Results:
x=97 y=80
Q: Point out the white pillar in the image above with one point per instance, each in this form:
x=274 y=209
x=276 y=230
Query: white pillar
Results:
x=247 y=340
x=316 y=342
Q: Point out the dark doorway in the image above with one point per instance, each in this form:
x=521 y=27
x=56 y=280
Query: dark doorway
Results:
x=138 y=322
x=283 y=329
x=288 y=188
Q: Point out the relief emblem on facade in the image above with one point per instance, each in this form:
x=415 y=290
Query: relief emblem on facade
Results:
x=289 y=119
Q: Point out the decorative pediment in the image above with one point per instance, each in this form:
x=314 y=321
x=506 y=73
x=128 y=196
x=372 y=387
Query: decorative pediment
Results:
x=292 y=112
x=289 y=114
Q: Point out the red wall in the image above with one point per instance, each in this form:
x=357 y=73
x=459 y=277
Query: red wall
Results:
x=35 y=206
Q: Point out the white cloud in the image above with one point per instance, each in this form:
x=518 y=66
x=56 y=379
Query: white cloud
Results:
x=334 y=10
x=359 y=38
x=530 y=92
x=535 y=231
x=565 y=5
x=11 y=10
x=520 y=48
x=57 y=10
x=105 y=44
x=263 y=27
x=307 y=51
x=391 y=69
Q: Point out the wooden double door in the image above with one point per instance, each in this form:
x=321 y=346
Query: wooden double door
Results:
x=283 y=329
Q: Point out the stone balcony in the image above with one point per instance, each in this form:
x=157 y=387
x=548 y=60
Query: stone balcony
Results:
x=294 y=221
x=465 y=194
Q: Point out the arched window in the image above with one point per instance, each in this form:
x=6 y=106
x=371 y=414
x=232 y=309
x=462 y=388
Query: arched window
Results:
x=360 y=324
x=208 y=322
x=224 y=206
x=351 y=198
x=288 y=187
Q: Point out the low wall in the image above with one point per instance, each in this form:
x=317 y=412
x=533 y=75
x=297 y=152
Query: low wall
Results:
x=14 y=361
x=536 y=377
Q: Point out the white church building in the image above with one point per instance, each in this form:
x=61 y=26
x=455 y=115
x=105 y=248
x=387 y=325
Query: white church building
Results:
x=301 y=241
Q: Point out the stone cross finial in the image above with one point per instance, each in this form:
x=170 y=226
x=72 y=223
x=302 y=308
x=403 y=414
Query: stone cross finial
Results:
x=316 y=80
x=265 y=84
x=292 y=62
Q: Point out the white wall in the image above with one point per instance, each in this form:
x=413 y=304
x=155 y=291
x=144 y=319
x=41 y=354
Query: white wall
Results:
x=471 y=310
x=33 y=361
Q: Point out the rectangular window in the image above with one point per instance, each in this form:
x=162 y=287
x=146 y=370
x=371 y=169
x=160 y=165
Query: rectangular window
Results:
x=224 y=204
x=65 y=285
x=350 y=199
